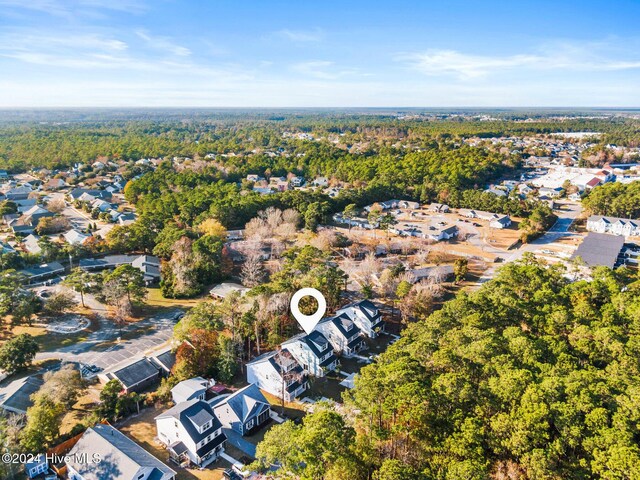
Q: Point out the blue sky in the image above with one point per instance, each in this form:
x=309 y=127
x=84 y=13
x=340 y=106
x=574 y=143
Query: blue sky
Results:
x=319 y=54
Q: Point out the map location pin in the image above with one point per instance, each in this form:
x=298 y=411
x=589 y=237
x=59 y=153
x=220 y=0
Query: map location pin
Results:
x=308 y=322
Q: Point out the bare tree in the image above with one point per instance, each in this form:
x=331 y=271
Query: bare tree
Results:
x=291 y=217
x=272 y=216
x=182 y=265
x=56 y=205
x=253 y=272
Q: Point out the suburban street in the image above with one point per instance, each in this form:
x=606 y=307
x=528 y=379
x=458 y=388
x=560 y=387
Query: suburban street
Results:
x=566 y=216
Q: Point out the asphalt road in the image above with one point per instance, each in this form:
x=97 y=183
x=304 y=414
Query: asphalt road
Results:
x=566 y=216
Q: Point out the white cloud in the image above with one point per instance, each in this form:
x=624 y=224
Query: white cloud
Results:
x=163 y=44
x=562 y=56
x=314 y=35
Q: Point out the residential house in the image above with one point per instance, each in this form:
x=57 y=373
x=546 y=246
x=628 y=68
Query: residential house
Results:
x=87 y=195
x=252 y=177
x=313 y=352
x=6 y=248
x=18 y=193
x=243 y=411
x=224 y=289
x=148 y=264
x=389 y=204
x=342 y=333
x=496 y=220
x=439 y=208
x=42 y=272
x=38 y=468
x=192 y=388
x=192 y=433
x=126 y=218
x=278 y=373
x=120 y=458
x=551 y=192
x=500 y=221
x=55 y=184
x=15 y=397
x=297 y=181
x=613 y=225
x=74 y=237
x=366 y=315
x=25 y=205
x=440 y=272
x=101 y=205
x=320 y=182
x=135 y=375
x=34 y=214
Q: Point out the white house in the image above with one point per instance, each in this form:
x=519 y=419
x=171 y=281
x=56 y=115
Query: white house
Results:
x=366 y=316
x=191 y=432
x=342 y=333
x=500 y=221
x=613 y=225
x=38 y=467
x=551 y=192
x=192 y=388
x=74 y=237
x=395 y=203
x=313 y=352
x=320 y=182
x=120 y=458
x=278 y=373
x=244 y=411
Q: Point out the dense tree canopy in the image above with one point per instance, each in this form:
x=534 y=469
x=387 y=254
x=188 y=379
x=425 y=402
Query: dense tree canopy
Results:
x=615 y=199
x=530 y=375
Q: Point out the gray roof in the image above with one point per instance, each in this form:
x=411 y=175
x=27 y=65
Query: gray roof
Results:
x=191 y=413
x=246 y=403
x=165 y=360
x=597 y=218
x=44 y=269
x=190 y=388
x=16 y=396
x=600 y=249
x=136 y=372
x=121 y=458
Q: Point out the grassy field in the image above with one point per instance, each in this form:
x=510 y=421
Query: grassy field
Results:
x=155 y=299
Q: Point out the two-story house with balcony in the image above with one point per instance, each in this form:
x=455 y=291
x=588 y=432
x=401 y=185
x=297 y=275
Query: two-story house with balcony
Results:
x=278 y=373
x=342 y=333
x=313 y=352
x=191 y=432
x=613 y=225
x=366 y=316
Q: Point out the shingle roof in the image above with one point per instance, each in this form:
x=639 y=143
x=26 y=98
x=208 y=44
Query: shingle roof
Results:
x=600 y=249
x=187 y=388
x=246 y=403
x=121 y=458
x=16 y=396
x=191 y=413
x=136 y=373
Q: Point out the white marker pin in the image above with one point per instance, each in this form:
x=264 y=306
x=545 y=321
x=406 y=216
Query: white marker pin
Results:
x=308 y=322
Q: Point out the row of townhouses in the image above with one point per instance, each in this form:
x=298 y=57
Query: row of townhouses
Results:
x=284 y=373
